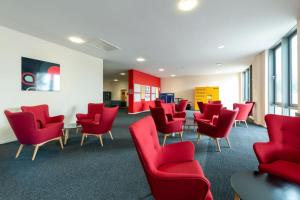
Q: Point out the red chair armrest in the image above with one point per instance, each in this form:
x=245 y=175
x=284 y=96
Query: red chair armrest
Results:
x=178 y=152
x=206 y=127
x=266 y=152
x=179 y=115
x=54 y=119
x=80 y=116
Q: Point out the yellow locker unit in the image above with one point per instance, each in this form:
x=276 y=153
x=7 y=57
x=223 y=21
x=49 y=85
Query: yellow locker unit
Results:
x=205 y=94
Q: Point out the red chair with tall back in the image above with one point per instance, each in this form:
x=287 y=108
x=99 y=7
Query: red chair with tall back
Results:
x=210 y=110
x=171 y=170
x=100 y=126
x=171 y=112
x=281 y=155
x=163 y=125
x=181 y=106
x=219 y=130
x=41 y=113
x=27 y=131
x=94 y=111
x=244 y=111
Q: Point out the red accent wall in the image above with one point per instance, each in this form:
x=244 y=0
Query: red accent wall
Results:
x=137 y=77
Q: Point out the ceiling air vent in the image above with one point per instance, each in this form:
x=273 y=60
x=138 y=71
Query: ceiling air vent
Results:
x=102 y=45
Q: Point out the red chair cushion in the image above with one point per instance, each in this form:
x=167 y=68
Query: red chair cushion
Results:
x=284 y=169
x=191 y=167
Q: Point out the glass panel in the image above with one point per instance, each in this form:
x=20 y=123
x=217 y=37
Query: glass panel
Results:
x=278 y=110
x=293 y=112
x=294 y=70
x=278 y=76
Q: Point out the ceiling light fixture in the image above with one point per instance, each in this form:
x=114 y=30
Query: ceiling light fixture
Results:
x=221 y=47
x=161 y=69
x=140 y=59
x=187 y=5
x=76 y=40
x=122 y=74
x=172 y=75
x=116 y=80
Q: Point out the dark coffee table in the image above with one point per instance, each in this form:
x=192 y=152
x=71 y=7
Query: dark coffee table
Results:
x=254 y=186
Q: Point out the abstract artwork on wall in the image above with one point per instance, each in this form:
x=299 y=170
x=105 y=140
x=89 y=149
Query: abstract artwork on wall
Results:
x=40 y=75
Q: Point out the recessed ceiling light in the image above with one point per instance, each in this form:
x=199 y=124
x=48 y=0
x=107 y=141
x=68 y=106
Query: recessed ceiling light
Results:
x=219 y=64
x=116 y=80
x=76 y=40
x=161 y=69
x=221 y=47
x=122 y=74
x=187 y=5
x=172 y=75
x=140 y=59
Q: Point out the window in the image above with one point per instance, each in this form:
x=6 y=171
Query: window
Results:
x=278 y=75
x=283 y=76
x=247 y=77
x=293 y=70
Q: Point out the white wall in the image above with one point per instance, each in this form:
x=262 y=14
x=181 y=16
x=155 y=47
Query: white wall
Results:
x=81 y=78
x=184 y=86
x=298 y=28
x=115 y=88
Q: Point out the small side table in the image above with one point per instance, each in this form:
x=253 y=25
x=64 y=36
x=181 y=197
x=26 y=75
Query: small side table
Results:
x=67 y=128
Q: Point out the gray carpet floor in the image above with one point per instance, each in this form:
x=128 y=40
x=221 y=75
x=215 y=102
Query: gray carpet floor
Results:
x=114 y=171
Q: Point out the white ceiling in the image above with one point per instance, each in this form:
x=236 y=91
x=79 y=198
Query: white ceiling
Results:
x=182 y=43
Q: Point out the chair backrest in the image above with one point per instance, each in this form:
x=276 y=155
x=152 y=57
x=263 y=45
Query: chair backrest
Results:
x=158 y=102
x=225 y=122
x=95 y=108
x=253 y=103
x=181 y=106
x=215 y=102
x=41 y=112
x=159 y=117
x=144 y=135
x=210 y=110
x=201 y=106
x=107 y=118
x=23 y=124
x=284 y=130
x=169 y=108
x=244 y=110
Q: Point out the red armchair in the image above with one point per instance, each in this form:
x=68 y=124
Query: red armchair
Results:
x=100 y=126
x=181 y=106
x=25 y=127
x=41 y=113
x=163 y=125
x=281 y=155
x=210 y=110
x=220 y=130
x=94 y=111
x=171 y=112
x=244 y=111
x=171 y=171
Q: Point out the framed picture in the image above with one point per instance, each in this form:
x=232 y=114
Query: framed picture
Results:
x=40 y=75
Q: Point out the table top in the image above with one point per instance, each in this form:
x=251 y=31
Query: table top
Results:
x=251 y=185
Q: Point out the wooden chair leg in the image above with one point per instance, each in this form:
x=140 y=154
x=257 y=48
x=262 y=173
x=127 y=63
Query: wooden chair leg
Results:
x=165 y=137
x=110 y=135
x=236 y=196
x=66 y=136
x=101 y=141
x=228 y=142
x=61 y=143
x=19 y=150
x=82 y=139
x=234 y=123
x=218 y=144
x=198 y=138
x=181 y=134
x=246 y=123
x=35 y=151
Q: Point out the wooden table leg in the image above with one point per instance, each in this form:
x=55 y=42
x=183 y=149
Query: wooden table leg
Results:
x=236 y=196
x=66 y=136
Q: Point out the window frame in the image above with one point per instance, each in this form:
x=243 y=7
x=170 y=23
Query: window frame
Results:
x=290 y=103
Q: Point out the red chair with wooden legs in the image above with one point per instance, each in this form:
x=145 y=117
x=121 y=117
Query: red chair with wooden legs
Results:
x=281 y=155
x=171 y=170
x=171 y=113
x=164 y=126
x=94 y=112
x=244 y=111
x=219 y=130
x=181 y=106
x=210 y=110
x=25 y=127
x=100 y=126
